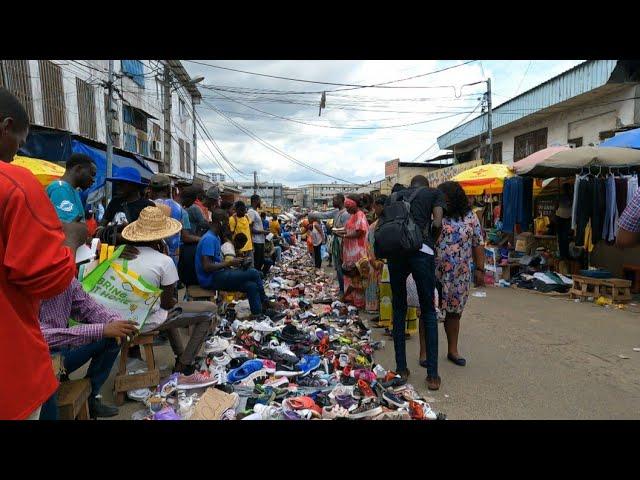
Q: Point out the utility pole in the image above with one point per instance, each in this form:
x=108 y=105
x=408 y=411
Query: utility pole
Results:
x=489 y=120
x=108 y=119
x=255 y=182
x=273 y=202
x=195 y=140
x=166 y=164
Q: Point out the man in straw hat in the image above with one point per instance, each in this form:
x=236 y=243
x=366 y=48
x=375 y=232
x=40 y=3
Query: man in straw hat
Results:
x=146 y=234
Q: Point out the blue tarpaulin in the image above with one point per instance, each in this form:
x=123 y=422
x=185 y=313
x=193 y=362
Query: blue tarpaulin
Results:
x=628 y=139
x=99 y=157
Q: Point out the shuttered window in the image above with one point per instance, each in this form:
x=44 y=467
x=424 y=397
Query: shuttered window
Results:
x=86 y=109
x=134 y=70
x=157 y=136
x=53 y=108
x=15 y=77
x=181 y=148
x=188 y=156
x=528 y=143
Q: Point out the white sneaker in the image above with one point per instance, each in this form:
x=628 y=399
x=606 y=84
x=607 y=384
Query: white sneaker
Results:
x=221 y=359
x=334 y=411
x=139 y=395
x=219 y=373
x=264 y=326
x=216 y=345
x=253 y=416
x=428 y=412
x=236 y=351
x=268 y=412
x=286 y=351
x=379 y=371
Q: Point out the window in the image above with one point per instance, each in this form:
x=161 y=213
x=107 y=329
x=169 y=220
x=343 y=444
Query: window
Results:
x=528 y=143
x=86 y=109
x=115 y=136
x=497 y=152
x=14 y=76
x=188 y=156
x=53 y=107
x=157 y=136
x=135 y=117
x=159 y=91
x=181 y=149
x=134 y=69
x=606 y=134
x=182 y=110
x=576 y=142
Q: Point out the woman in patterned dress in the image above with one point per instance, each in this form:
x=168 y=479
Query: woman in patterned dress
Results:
x=371 y=294
x=354 y=249
x=461 y=241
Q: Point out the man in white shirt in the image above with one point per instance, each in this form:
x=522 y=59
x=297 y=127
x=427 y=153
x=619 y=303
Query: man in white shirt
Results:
x=159 y=270
x=257 y=232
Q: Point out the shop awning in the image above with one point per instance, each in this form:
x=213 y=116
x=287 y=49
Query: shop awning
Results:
x=45 y=172
x=628 y=139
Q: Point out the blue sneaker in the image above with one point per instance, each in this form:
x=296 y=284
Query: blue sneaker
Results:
x=309 y=363
x=244 y=370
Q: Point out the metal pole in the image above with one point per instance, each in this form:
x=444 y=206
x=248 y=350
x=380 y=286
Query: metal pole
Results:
x=195 y=141
x=273 y=202
x=166 y=165
x=255 y=182
x=489 y=121
x=108 y=118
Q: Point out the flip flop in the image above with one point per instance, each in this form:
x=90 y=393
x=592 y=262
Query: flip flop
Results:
x=461 y=362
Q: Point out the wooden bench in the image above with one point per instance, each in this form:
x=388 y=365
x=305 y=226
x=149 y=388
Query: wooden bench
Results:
x=196 y=292
x=149 y=379
x=73 y=399
x=633 y=271
x=615 y=289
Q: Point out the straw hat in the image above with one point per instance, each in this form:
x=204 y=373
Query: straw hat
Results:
x=153 y=224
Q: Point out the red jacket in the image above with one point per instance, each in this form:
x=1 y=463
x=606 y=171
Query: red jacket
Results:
x=34 y=265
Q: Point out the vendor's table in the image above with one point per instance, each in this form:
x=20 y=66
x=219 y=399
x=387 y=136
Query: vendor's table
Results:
x=615 y=289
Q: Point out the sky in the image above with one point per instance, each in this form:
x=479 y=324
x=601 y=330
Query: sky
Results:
x=359 y=128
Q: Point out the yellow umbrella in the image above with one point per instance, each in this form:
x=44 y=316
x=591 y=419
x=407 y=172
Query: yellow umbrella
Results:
x=45 y=172
x=483 y=177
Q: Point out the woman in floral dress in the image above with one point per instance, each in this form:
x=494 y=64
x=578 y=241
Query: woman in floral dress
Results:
x=354 y=249
x=460 y=242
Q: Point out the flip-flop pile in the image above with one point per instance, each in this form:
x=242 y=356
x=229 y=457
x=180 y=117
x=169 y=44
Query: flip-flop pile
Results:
x=316 y=362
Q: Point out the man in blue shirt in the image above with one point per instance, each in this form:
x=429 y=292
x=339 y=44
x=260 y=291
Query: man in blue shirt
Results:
x=216 y=274
x=80 y=173
x=159 y=192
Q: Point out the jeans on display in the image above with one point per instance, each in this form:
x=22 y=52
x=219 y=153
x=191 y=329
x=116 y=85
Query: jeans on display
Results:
x=246 y=281
x=422 y=267
x=102 y=353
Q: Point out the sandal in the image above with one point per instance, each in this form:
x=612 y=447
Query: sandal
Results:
x=461 y=362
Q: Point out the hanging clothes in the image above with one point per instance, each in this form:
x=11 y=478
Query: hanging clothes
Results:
x=621 y=194
x=632 y=186
x=588 y=238
x=584 y=203
x=511 y=193
x=598 y=211
x=611 y=210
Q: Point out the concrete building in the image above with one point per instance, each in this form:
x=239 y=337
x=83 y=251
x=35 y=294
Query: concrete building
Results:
x=292 y=197
x=70 y=96
x=581 y=106
x=315 y=195
x=396 y=171
x=270 y=193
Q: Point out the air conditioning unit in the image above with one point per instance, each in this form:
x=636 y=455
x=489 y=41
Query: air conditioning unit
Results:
x=115 y=126
x=156 y=146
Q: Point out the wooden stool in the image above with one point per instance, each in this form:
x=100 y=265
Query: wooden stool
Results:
x=633 y=271
x=196 y=292
x=73 y=399
x=150 y=378
x=615 y=289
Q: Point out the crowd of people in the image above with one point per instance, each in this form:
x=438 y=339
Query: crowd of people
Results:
x=195 y=238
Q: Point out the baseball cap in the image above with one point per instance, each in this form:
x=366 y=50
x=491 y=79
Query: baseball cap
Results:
x=213 y=193
x=159 y=180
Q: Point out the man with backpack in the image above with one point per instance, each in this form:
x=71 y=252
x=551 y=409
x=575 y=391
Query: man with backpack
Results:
x=406 y=236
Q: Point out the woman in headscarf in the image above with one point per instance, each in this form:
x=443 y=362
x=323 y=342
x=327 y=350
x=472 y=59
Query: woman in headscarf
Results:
x=354 y=250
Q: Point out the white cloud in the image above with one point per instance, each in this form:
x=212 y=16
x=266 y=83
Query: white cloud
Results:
x=356 y=155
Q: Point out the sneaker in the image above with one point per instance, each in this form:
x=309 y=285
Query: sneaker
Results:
x=264 y=326
x=253 y=379
x=197 y=380
x=220 y=360
x=366 y=410
x=285 y=352
x=268 y=412
x=219 y=374
x=346 y=401
x=394 y=400
x=388 y=414
x=334 y=411
x=216 y=345
x=309 y=363
x=379 y=371
x=363 y=374
x=139 y=395
x=365 y=389
x=237 y=351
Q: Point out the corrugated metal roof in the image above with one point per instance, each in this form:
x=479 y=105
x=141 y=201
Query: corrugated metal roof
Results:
x=580 y=79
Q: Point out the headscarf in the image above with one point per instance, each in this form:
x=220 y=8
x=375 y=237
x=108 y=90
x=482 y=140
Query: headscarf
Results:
x=349 y=203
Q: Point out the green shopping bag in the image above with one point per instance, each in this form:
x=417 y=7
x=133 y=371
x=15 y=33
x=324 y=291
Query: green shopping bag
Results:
x=116 y=287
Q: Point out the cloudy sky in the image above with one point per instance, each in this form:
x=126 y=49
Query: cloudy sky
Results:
x=360 y=128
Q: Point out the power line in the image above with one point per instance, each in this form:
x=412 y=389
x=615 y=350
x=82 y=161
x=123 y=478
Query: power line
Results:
x=523 y=77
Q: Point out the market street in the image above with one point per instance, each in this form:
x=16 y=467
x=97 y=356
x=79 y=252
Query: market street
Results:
x=530 y=356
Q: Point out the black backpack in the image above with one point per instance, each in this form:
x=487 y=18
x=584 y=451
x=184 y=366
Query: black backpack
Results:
x=397 y=233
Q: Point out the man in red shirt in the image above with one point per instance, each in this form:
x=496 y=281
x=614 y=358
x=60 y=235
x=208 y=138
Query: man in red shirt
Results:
x=36 y=262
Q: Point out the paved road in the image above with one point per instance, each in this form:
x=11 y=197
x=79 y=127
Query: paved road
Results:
x=530 y=356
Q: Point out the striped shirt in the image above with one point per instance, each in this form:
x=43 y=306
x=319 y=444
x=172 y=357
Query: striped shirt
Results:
x=76 y=304
x=630 y=218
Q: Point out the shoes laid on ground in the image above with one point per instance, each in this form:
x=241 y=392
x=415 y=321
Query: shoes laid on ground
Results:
x=97 y=409
x=221 y=359
x=139 y=395
x=196 y=380
x=433 y=383
x=365 y=410
x=365 y=390
x=334 y=411
x=268 y=412
x=216 y=345
x=308 y=363
x=246 y=369
x=394 y=400
x=404 y=374
x=389 y=414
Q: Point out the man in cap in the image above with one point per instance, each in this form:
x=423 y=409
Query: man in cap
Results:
x=80 y=172
x=160 y=192
x=127 y=201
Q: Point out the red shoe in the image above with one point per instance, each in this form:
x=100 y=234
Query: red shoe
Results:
x=416 y=411
x=365 y=389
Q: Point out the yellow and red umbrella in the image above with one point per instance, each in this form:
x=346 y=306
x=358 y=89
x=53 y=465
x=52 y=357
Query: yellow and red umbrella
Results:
x=45 y=172
x=489 y=178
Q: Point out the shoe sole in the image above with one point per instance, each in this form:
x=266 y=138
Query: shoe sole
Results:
x=369 y=413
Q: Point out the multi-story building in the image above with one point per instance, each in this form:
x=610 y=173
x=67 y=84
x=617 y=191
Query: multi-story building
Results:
x=68 y=99
x=317 y=195
x=581 y=106
x=292 y=197
x=270 y=193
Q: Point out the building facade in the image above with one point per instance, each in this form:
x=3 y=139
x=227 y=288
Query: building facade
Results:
x=582 y=106
x=292 y=197
x=317 y=195
x=270 y=193
x=71 y=96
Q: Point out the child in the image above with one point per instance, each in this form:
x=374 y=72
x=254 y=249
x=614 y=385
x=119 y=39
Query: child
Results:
x=230 y=247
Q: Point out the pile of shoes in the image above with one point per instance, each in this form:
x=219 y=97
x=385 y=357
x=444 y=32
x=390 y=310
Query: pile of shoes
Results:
x=315 y=362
